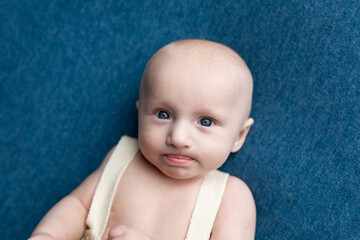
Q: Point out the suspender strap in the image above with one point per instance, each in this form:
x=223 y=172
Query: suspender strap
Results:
x=104 y=194
x=207 y=206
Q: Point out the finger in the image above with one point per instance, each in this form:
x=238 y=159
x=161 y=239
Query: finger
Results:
x=117 y=231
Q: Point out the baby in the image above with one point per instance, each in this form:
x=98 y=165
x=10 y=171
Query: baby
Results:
x=194 y=106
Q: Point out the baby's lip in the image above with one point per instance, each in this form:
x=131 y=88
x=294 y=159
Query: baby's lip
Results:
x=178 y=159
x=179 y=156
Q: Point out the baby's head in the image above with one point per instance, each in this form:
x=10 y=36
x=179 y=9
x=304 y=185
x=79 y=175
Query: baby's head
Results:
x=194 y=106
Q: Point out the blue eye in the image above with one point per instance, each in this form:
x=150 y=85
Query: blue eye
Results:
x=206 y=122
x=162 y=115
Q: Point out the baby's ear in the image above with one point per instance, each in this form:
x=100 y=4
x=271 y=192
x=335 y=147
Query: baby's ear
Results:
x=137 y=104
x=242 y=135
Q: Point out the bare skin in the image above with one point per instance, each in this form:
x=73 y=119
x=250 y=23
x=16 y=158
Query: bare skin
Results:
x=194 y=95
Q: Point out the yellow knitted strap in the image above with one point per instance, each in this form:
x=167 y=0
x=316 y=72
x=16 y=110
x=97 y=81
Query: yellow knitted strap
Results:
x=207 y=206
x=104 y=194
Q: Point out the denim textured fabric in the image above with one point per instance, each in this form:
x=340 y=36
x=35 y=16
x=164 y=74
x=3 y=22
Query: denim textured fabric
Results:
x=69 y=79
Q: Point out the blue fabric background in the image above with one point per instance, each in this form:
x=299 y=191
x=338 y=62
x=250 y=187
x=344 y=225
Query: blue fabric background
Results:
x=69 y=76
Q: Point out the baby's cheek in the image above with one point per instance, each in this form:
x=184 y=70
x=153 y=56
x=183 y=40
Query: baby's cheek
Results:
x=148 y=140
x=217 y=154
x=144 y=141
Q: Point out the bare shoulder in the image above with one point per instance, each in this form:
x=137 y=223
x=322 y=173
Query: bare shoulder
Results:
x=85 y=191
x=237 y=191
x=236 y=218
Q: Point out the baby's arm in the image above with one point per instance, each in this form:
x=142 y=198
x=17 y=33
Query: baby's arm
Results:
x=66 y=220
x=236 y=218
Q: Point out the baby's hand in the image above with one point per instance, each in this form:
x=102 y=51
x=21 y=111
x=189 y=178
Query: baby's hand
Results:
x=123 y=232
x=41 y=236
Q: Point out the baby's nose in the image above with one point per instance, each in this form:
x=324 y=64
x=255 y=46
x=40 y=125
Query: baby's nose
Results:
x=179 y=136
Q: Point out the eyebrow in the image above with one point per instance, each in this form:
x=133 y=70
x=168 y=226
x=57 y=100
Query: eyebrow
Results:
x=210 y=112
x=202 y=110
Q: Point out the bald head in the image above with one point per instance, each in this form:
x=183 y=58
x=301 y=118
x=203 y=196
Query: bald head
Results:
x=207 y=51
x=231 y=74
x=204 y=51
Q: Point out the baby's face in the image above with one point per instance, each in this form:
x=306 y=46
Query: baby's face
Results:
x=190 y=115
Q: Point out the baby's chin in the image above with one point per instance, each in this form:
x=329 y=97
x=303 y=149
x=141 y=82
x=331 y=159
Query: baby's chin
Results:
x=182 y=174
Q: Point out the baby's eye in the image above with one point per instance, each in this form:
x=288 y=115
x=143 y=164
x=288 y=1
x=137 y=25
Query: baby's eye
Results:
x=162 y=115
x=206 y=122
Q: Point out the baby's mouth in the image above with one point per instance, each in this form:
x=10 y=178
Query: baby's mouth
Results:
x=178 y=159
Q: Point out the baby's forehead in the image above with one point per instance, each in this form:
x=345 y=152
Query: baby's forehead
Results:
x=193 y=70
